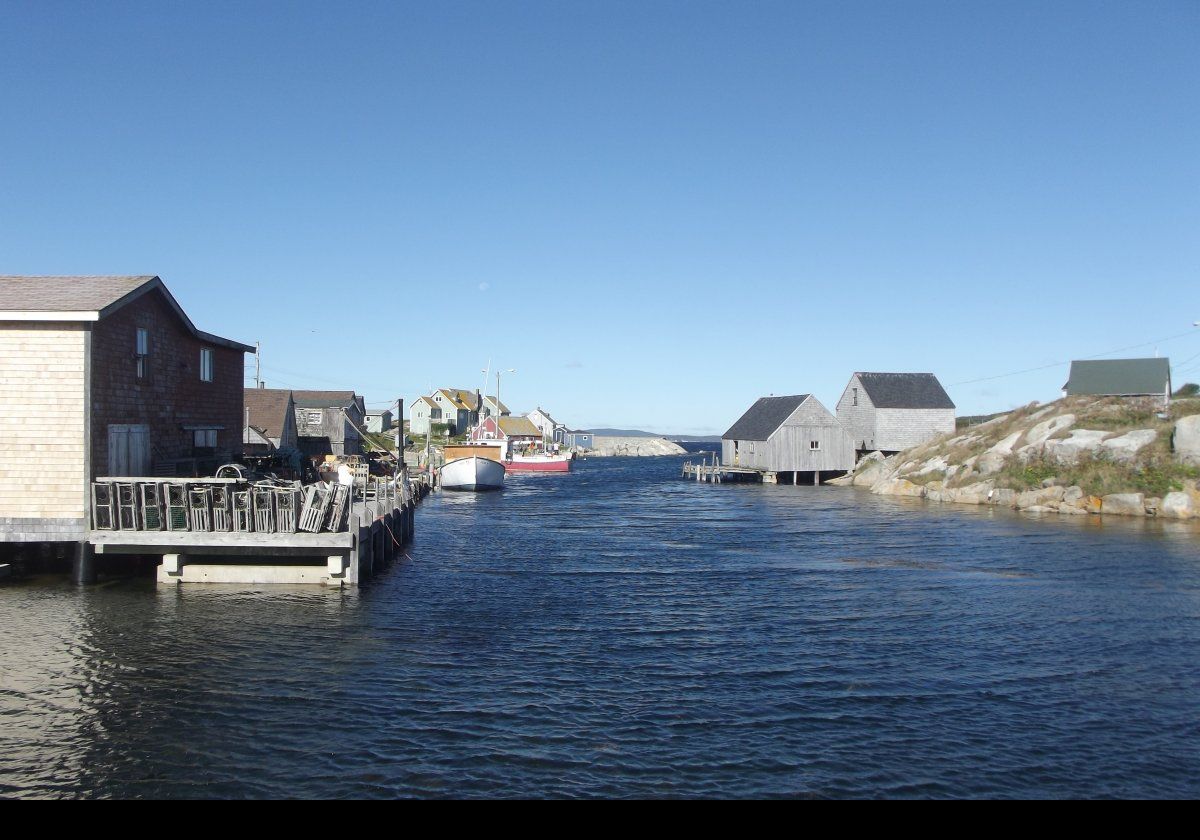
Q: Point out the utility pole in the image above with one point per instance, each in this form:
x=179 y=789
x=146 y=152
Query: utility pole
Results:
x=258 y=364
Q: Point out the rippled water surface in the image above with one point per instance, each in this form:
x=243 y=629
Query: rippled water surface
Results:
x=619 y=632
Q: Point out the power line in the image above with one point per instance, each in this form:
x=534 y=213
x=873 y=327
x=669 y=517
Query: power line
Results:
x=1060 y=364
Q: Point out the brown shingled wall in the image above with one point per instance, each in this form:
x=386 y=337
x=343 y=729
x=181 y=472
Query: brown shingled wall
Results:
x=172 y=396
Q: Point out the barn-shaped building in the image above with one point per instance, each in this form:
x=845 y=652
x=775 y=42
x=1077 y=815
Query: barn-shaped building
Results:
x=794 y=434
x=894 y=411
x=1120 y=378
x=104 y=376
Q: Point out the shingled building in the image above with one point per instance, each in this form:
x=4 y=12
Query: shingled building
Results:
x=790 y=435
x=893 y=411
x=1120 y=378
x=104 y=376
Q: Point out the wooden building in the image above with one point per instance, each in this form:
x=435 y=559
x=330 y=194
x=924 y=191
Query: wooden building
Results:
x=1120 y=378
x=270 y=421
x=894 y=411
x=793 y=434
x=515 y=431
x=545 y=423
x=379 y=422
x=336 y=415
x=104 y=376
x=456 y=408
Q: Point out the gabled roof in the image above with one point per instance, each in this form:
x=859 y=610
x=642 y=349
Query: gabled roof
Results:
x=427 y=400
x=459 y=397
x=324 y=399
x=764 y=417
x=518 y=427
x=490 y=400
x=905 y=390
x=88 y=298
x=269 y=408
x=1119 y=377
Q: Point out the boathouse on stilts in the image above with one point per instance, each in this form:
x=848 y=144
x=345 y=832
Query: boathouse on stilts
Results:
x=788 y=440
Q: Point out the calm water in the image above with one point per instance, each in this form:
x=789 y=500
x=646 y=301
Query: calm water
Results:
x=619 y=632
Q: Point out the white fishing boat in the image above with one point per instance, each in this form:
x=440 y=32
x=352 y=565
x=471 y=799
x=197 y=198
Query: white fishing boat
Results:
x=472 y=468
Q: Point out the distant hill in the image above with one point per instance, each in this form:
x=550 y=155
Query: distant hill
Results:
x=636 y=433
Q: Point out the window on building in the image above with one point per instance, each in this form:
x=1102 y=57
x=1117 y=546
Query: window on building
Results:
x=814 y=445
x=142 y=352
x=204 y=438
x=206 y=365
x=855 y=396
x=436 y=414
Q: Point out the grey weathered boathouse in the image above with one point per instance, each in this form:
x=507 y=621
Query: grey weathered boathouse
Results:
x=894 y=411
x=792 y=435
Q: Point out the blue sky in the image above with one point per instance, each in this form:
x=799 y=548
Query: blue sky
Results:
x=655 y=212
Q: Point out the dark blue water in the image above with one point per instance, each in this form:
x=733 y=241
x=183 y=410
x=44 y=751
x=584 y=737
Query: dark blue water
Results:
x=620 y=632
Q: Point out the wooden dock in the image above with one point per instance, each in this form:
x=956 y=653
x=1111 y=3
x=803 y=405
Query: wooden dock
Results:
x=259 y=535
x=715 y=472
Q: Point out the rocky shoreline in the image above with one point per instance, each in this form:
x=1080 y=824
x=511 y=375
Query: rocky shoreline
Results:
x=640 y=447
x=1076 y=456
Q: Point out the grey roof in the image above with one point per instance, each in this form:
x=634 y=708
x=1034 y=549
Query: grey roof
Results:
x=764 y=417
x=904 y=390
x=91 y=293
x=102 y=294
x=268 y=408
x=1119 y=377
x=324 y=399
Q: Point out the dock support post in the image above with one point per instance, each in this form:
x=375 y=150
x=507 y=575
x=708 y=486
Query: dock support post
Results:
x=83 y=564
x=361 y=561
x=389 y=538
x=171 y=568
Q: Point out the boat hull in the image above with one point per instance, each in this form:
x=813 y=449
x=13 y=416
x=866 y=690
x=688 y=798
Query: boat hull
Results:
x=539 y=463
x=473 y=473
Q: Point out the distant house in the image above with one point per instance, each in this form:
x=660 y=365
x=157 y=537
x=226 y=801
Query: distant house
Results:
x=574 y=439
x=894 y=411
x=793 y=434
x=545 y=423
x=104 y=376
x=1120 y=378
x=270 y=423
x=456 y=408
x=421 y=415
x=336 y=415
x=379 y=422
x=517 y=431
x=491 y=408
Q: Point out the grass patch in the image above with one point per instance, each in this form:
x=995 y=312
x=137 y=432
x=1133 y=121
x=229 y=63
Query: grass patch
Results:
x=1100 y=476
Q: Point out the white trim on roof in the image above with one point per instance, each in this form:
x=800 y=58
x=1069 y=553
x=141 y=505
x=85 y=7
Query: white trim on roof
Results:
x=48 y=315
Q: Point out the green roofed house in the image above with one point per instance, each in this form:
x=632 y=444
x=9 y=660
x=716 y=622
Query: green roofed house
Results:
x=1120 y=378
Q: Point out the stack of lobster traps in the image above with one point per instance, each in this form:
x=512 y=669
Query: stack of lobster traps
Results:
x=218 y=504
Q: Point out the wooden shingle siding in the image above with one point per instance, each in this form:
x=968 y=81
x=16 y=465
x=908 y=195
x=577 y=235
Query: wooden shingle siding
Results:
x=789 y=447
x=913 y=408
x=171 y=399
x=901 y=428
x=858 y=420
x=42 y=429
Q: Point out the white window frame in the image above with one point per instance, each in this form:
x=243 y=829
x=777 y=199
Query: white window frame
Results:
x=814 y=446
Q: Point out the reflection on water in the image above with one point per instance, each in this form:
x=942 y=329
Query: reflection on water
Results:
x=618 y=632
